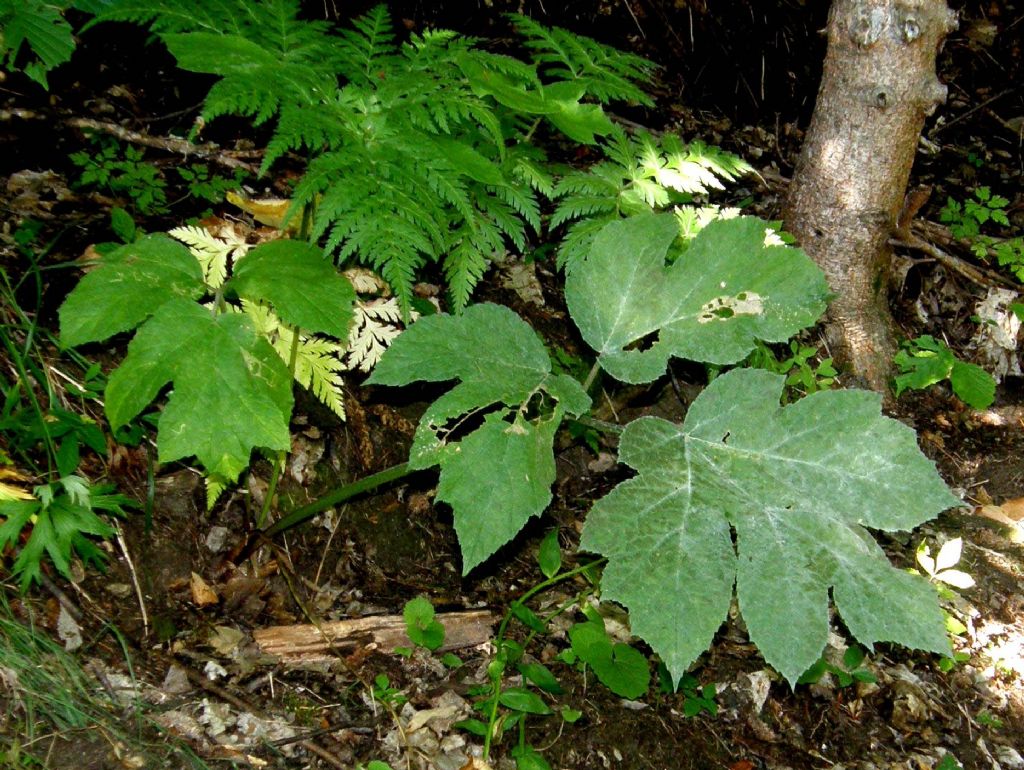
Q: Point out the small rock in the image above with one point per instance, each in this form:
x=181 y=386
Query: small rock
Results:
x=216 y=539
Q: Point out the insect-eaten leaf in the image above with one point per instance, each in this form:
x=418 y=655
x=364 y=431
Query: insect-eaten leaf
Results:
x=727 y=290
x=797 y=487
x=498 y=474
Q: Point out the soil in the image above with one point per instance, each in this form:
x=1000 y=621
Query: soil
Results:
x=373 y=554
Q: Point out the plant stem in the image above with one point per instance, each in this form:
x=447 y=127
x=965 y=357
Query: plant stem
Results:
x=492 y=717
x=338 y=495
x=591 y=376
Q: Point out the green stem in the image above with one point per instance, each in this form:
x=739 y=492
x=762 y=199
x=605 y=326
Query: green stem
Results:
x=275 y=477
x=492 y=717
x=339 y=495
x=599 y=425
x=591 y=376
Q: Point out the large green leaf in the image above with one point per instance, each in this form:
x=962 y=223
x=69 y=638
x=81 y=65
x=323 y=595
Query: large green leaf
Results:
x=499 y=474
x=231 y=391
x=130 y=283
x=305 y=289
x=500 y=477
x=725 y=291
x=797 y=486
x=496 y=355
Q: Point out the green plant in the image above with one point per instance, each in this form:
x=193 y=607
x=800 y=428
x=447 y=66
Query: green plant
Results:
x=846 y=674
x=925 y=361
x=383 y=691
x=34 y=37
x=641 y=174
x=122 y=171
x=803 y=375
x=423 y=154
x=423 y=630
x=206 y=186
x=505 y=708
x=231 y=369
x=697 y=698
x=966 y=220
x=989 y=720
x=773 y=501
x=43 y=434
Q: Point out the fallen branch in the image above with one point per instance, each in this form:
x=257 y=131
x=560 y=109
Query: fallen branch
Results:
x=323 y=642
x=210 y=152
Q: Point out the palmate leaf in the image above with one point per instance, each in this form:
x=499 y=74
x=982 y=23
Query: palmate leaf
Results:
x=727 y=290
x=130 y=283
x=501 y=364
x=798 y=486
x=304 y=288
x=43 y=28
x=231 y=391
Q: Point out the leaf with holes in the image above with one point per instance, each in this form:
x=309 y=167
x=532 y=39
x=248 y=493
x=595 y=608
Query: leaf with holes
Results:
x=497 y=466
x=797 y=486
x=727 y=290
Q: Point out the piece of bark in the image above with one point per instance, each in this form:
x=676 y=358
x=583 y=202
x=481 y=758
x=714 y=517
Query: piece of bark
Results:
x=315 y=643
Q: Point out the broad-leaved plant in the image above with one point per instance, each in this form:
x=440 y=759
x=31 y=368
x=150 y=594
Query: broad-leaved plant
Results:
x=745 y=497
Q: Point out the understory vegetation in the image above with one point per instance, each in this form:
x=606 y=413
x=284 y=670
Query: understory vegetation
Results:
x=416 y=165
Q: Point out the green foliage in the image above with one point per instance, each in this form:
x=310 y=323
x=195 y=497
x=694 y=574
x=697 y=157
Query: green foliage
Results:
x=803 y=375
x=422 y=154
x=499 y=475
x=774 y=501
x=231 y=388
x=621 y=669
x=925 y=361
x=846 y=674
x=728 y=290
x=386 y=693
x=966 y=220
x=45 y=431
x=640 y=175
x=420 y=625
x=697 y=698
x=34 y=37
x=122 y=171
x=206 y=186
x=62 y=517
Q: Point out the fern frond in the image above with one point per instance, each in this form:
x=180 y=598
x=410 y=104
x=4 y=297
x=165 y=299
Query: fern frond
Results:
x=495 y=206
x=362 y=48
x=532 y=172
x=173 y=15
x=606 y=73
x=464 y=266
x=377 y=324
x=215 y=486
x=211 y=252
x=578 y=239
x=318 y=367
x=267 y=57
x=523 y=202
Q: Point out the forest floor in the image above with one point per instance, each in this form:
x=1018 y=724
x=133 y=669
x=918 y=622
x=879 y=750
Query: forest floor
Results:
x=186 y=615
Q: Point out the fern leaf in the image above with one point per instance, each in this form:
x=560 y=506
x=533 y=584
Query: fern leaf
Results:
x=577 y=241
x=464 y=266
x=605 y=73
x=318 y=367
x=211 y=252
x=362 y=47
x=523 y=202
x=377 y=324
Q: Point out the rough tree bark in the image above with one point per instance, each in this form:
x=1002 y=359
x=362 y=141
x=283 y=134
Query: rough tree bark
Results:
x=878 y=85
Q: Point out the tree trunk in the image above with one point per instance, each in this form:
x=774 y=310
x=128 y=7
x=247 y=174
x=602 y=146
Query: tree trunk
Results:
x=878 y=85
